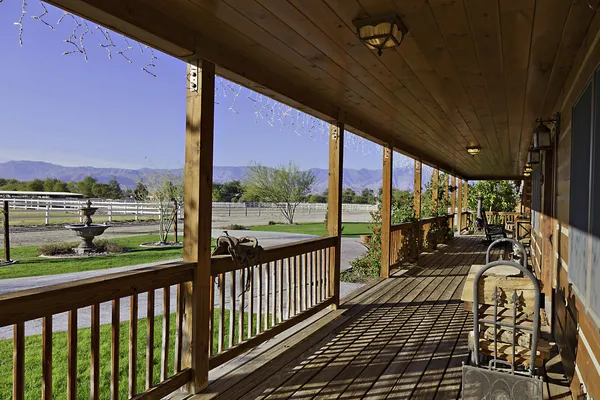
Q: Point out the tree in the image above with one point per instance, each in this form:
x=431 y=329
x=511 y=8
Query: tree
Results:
x=86 y=186
x=348 y=196
x=285 y=186
x=165 y=189
x=497 y=195
x=114 y=189
x=140 y=193
x=36 y=185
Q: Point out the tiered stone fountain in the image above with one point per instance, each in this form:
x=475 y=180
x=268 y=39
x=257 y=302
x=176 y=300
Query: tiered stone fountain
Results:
x=88 y=230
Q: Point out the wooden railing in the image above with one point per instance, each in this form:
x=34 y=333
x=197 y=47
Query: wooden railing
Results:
x=408 y=239
x=103 y=295
x=256 y=302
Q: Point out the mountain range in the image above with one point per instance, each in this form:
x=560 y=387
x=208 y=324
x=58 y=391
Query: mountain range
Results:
x=356 y=179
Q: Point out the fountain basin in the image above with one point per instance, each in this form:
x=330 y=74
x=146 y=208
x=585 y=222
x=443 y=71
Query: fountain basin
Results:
x=87 y=233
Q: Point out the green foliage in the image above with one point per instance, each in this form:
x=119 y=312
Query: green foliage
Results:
x=367 y=265
x=140 y=193
x=501 y=196
x=165 y=189
x=236 y=227
x=286 y=186
x=89 y=186
x=317 y=198
x=231 y=191
x=64 y=249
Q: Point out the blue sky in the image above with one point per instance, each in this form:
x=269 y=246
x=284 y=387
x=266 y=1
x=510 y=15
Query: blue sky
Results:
x=110 y=113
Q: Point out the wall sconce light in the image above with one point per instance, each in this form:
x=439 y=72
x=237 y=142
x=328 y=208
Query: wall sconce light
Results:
x=381 y=32
x=542 y=135
x=473 y=150
x=533 y=157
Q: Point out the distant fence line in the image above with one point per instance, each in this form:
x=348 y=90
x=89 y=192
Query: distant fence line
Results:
x=48 y=209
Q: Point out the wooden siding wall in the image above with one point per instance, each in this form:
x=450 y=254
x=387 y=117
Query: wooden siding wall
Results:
x=576 y=329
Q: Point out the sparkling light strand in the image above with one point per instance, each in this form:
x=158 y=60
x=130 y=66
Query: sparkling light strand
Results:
x=41 y=16
x=19 y=23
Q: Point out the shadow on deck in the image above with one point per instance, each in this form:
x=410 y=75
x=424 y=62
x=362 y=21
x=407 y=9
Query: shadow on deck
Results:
x=404 y=337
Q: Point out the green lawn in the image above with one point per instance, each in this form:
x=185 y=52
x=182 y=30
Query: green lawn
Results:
x=32 y=265
x=351 y=229
x=33 y=357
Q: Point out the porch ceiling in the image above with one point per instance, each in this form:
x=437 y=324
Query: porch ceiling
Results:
x=470 y=72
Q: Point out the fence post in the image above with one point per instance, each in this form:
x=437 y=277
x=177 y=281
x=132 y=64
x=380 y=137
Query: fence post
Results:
x=47 y=214
x=137 y=217
x=110 y=213
x=259 y=207
x=229 y=209
x=6 y=232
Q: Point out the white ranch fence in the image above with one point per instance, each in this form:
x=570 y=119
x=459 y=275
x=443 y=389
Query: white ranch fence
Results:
x=46 y=210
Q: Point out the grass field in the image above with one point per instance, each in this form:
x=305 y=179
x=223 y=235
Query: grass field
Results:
x=32 y=265
x=351 y=229
x=33 y=357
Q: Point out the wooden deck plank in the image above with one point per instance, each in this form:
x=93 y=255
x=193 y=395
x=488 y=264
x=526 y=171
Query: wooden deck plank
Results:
x=400 y=338
x=357 y=378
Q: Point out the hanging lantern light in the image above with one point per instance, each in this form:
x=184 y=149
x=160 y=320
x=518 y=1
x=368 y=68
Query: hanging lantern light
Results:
x=528 y=168
x=381 y=32
x=473 y=150
x=526 y=174
x=542 y=134
x=533 y=157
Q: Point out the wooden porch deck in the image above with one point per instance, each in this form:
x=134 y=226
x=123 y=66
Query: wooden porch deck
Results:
x=404 y=337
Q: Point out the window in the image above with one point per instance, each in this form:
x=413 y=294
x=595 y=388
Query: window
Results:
x=579 y=203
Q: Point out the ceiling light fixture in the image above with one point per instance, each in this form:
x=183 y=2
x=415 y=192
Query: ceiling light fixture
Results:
x=381 y=32
x=473 y=150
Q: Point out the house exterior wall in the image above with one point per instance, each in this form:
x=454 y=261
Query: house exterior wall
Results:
x=575 y=319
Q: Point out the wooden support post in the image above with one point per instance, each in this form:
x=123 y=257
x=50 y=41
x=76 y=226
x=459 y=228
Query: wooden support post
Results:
x=386 y=212
x=334 y=206
x=197 y=218
x=417 y=202
x=459 y=207
x=6 y=232
x=453 y=196
x=466 y=194
x=435 y=190
x=446 y=191
x=175 y=213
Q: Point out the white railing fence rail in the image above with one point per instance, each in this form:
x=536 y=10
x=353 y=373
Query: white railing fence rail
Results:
x=61 y=209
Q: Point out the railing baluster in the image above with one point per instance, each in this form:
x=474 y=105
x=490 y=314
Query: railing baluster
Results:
x=268 y=294
x=320 y=273
x=95 y=353
x=72 y=356
x=273 y=278
x=164 y=360
x=211 y=331
x=47 y=358
x=280 y=272
x=19 y=361
x=133 y=324
x=242 y=305
x=251 y=300
x=178 y=329
x=304 y=280
x=313 y=278
x=150 y=340
x=260 y=299
x=298 y=285
x=232 y=309
x=222 y=312
x=288 y=285
x=114 y=349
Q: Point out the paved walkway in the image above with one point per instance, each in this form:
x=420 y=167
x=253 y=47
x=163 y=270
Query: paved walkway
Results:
x=351 y=248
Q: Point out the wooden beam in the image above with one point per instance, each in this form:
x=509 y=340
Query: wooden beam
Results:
x=435 y=189
x=466 y=194
x=198 y=215
x=417 y=189
x=386 y=212
x=459 y=207
x=334 y=206
x=453 y=196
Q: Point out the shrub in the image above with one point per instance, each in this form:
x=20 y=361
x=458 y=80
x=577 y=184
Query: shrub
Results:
x=236 y=227
x=272 y=223
x=108 y=246
x=56 y=249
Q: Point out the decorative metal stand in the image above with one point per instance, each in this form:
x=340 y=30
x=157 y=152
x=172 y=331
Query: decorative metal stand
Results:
x=500 y=379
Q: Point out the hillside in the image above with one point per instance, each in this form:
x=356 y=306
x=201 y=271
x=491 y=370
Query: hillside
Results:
x=357 y=179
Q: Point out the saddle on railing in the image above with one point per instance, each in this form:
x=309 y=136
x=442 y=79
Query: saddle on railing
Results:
x=243 y=250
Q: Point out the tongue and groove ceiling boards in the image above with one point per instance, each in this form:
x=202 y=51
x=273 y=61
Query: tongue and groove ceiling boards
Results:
x=468 y=73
